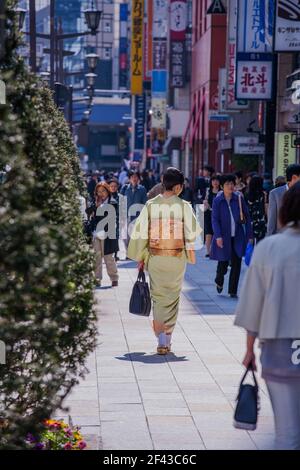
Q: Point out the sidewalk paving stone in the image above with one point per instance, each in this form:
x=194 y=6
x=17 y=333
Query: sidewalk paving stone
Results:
x=134 y=399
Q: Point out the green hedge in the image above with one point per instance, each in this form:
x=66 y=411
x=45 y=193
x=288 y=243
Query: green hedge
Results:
x=46 y=268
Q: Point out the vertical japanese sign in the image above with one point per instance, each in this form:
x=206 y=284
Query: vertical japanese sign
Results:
x=139 y=131
x=255 y=25
x=159 y=117
x=148 y=51
x=178 y=23
x=255 y=35
x=159 y=75
x=222 y=90
x=231 y=102
x=123 y=64
x=285 y=152
x=160 y=19
x=137 y=47
x=287 y=29
x=254 y=76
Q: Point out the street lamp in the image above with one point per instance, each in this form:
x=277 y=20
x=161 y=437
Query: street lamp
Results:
x=90 y=92
x=20 y=14
x=93 y=18
x=91 y=78
x=92 y=60
x=87 y=112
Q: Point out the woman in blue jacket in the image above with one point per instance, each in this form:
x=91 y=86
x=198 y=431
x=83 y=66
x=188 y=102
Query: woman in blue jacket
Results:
x=232 y=230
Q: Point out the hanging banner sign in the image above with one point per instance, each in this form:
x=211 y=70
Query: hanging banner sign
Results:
x=123 y=54
x=222 y=90
x=255 y=25
x=160 y=54
x=178 y=20
x=177 y=64
x=285 y=152
x=178 y=24
x=287 y=28
x=148 y=52
x=137 y=47
x=160 y=19
x=159 y=113
x=139 y=127
x=231 y=102
x=159 y=81
x=254 y=76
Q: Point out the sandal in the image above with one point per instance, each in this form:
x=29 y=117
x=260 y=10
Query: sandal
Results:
x=162 y=350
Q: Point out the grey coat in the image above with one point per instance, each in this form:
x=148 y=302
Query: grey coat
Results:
x=270 y=297
x=275 y=202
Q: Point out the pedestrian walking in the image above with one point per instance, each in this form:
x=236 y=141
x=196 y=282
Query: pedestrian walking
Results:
x=232 y=230
x=157 y=189
x=105 y=242
x=276 y=197
x=123 y=177
x=202 y=183
x=211 y=193
x=239 y=184
x=114 y=189
x=269 y=311
x=92 y=185
x=280 y=181
x=162 y=242
x=256 y=201
x=187 y=193
x=136 y=197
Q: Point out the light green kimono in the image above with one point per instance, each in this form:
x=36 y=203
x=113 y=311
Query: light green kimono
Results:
x=166 y=273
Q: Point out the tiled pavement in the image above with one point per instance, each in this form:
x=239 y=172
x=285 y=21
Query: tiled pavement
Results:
x=134 y=399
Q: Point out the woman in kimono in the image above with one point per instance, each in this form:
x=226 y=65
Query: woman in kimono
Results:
x=162 y=242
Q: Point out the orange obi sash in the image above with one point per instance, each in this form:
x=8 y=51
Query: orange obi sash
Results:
x=166 y=237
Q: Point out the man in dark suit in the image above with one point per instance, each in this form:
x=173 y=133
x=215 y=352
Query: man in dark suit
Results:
x=202 y=183
x=276 y=197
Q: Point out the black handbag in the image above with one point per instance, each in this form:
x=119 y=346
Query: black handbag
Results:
x=140 y=301
x=247 y=407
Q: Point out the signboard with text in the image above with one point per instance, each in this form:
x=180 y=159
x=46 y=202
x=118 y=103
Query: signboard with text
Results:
x=254 y=76
x=148 y=31
x=287 y=26
x=231 y=102
x=159 y=113
x=123 y=45
x=137 y=47
x=255 y=25
x=160 y=19
x=285 y=152
x=178 y=24
x=139 y=127
x=159 y=54
x=248 y=146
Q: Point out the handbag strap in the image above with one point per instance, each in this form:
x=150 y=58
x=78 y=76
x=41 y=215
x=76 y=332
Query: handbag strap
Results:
x=245 y=375
x=241 y=207
x=141 y=276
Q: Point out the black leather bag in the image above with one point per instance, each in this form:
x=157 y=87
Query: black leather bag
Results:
x=140 y=301
x=247 y=407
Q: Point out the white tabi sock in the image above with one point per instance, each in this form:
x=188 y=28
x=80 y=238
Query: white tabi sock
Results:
x=162 y=340
x=168 y=338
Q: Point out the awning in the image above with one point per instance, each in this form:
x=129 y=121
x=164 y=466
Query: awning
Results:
x=110 y=114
